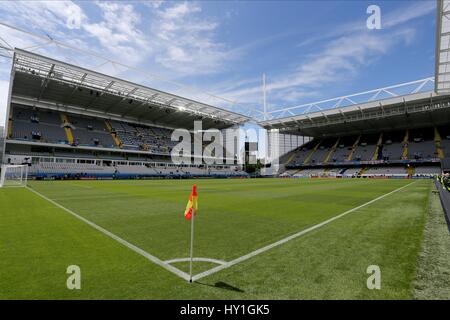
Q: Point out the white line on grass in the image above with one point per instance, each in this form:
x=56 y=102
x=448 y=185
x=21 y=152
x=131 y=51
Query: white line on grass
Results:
x=216 y=261
x=291 y=237
x=138 y=250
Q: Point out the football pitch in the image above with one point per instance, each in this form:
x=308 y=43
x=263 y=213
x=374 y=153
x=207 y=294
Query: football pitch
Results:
x=254 y=238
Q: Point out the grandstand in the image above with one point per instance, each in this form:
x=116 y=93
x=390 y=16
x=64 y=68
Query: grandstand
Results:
x=69 y=122
x=400 y=136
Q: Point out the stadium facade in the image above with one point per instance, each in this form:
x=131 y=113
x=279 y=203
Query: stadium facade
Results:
x=404 y=136
x=70 y=122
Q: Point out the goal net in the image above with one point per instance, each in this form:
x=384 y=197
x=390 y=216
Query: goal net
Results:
x=13 y=175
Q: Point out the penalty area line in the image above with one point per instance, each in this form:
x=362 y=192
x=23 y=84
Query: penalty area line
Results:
x=291 y=237
x=136 y=249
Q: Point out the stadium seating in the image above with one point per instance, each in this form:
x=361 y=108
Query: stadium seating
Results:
x=41 y=132
x=137 y=170
x=79 y=130
x=445 y=164
x=351 y=172
x=366 y=148
x=368 y=172
x=343 y=149
x=418 y=145
x=320 y=154
x=421 y=144
x=289 y=173
x=385 y=171
x=90 y=132
x=301 y=155
x=48 y=169
x=155 y=139
x=427 y=170
x=35 y=125
x=389 y=146
x=392 y=146
x=310 y=172
x=445 y=142
x=69 y=168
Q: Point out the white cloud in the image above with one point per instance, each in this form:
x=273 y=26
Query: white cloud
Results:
x=179 y=10
x=186 y=42
x=50 y=19
x=50 y=16
x=389 y=20
x=118 y=32
x=348 y=50
x=154 y=4
x=174 y=37
x=340 y=59
x=414 y=11
x=169 y=38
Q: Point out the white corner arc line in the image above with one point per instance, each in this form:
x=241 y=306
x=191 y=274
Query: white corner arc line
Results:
x=216 y=261
x=291 y=237
x=138 y=250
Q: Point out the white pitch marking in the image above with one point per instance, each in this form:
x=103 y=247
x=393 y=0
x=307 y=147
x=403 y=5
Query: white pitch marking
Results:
x=216 y=261
x=291 y=237
x=138 y=250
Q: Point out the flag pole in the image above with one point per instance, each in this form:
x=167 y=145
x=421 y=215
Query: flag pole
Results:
x=192 y=245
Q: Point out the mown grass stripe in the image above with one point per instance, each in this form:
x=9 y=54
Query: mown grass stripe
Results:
x=136 y=249
x=291 y=237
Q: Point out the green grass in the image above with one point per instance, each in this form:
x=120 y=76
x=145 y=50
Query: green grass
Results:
x=433 y=275
x=38 y=240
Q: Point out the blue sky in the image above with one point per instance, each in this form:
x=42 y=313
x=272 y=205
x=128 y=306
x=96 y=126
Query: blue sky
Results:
x=308 y=50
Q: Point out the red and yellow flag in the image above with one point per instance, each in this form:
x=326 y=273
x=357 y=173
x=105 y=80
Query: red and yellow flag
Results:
x=192 y=204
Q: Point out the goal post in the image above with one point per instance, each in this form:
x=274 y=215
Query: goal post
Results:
x=13 y=176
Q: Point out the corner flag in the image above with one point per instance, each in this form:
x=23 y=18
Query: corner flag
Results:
x=192 y=205
x=189 y=214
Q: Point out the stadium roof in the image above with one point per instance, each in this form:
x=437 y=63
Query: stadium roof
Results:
x=44 y=82
x=408 y=111
x=397 y=90
x=442 y=72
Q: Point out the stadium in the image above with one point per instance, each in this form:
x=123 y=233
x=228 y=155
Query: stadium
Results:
x=89 y=180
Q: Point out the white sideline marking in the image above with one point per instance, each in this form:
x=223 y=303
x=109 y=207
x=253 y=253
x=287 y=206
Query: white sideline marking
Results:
x=138 y=250
x=296 y=235
x=216 y=261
